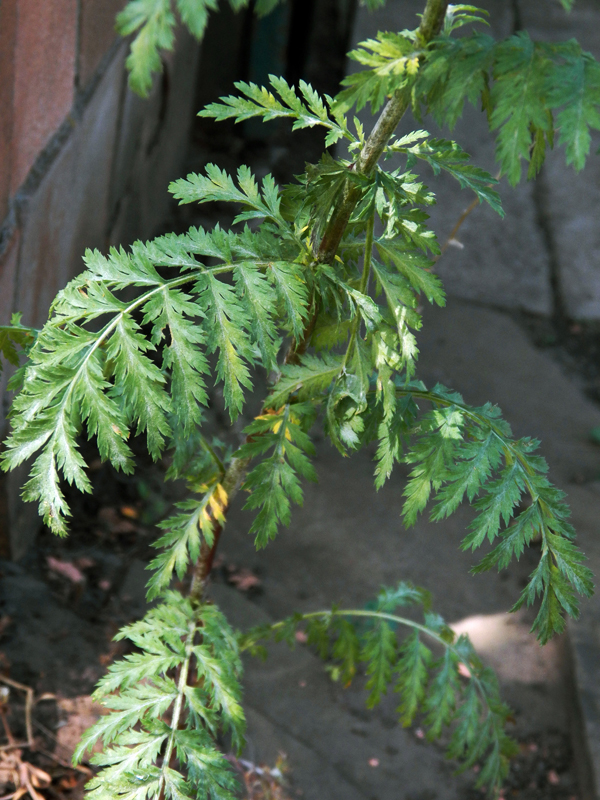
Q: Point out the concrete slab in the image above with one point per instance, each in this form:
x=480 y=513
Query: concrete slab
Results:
x=56 y=645
x=571 y=204
x=487 y=356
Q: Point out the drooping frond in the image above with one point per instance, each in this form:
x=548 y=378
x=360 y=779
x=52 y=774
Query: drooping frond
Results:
x=434 y=685
x=527 y=88
x=142 y=367
x=464 y=451
x=518 y=100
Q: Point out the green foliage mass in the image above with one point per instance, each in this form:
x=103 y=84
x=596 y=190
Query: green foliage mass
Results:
x=128 y=349
x=530 y=90
x=154 y=21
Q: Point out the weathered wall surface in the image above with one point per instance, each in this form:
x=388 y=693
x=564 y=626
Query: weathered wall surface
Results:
x=83 y=162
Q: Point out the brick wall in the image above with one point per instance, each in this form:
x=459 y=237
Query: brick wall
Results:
x=83 y=163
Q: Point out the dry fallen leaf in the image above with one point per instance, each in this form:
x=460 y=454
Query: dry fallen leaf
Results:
x=243 y=579
x=130 y=512
x=553 y=778
x=114 y=522
x=66 y=569
x=79 y=714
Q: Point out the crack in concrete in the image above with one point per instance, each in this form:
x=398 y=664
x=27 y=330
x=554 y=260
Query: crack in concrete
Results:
x=559 y=318
x=340 y=772
x=517 y=20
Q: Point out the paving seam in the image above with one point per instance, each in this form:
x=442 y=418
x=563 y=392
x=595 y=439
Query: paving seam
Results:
x=277 y=725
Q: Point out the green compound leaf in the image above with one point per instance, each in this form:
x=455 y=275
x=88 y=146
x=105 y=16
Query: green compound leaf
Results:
x=15 y=336
x=575 y=89
x=461 y=450
x=306 y=110
x=274 y=481
x=197 y=645
x=518 y=101
x=111 y=379
x=454 y=691
x=443 y=154
x=393 y=62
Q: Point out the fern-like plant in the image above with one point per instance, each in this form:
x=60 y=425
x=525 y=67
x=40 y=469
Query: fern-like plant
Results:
x=318 y=284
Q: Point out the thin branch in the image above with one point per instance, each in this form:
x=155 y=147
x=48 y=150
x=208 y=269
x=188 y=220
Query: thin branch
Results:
x=456 y=228
x=460 y=221
x=28 y=705
x=178 y=707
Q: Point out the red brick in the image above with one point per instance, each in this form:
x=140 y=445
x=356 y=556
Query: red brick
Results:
x=96 y=34
x=44 y=77
x=8 y=273
x=69 y=210
x=8 y=29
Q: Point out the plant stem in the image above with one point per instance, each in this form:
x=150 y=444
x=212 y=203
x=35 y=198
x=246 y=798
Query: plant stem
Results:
x=432 y=20
x=364 y=278
x=460 y=221
x=431 y=24
x=364 y=281
x=181 y=684
x=235 y=474
x=394 y=110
